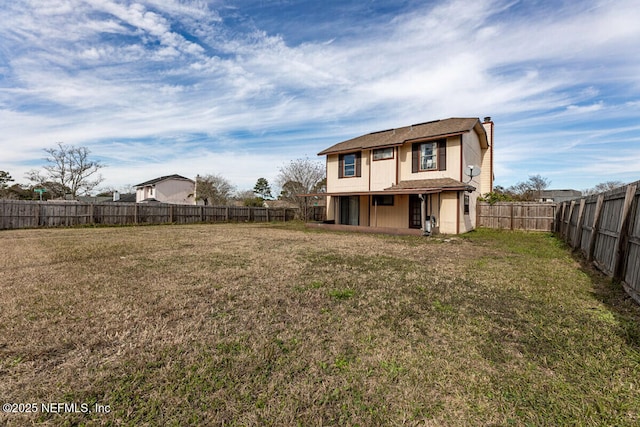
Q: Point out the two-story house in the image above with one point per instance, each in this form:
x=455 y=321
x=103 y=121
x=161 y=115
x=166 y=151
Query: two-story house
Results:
x=403 y=178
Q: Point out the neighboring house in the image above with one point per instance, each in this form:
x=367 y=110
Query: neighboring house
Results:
x=398 y=178
x=174 y=189
x=559 y=196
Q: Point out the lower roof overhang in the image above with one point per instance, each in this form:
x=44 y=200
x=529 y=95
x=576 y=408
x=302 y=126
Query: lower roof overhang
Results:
x=424 y=186
x=390 y=192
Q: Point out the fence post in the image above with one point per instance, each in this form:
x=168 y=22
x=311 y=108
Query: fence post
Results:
x=623 y=233
x=170 y=213
x=226 y=213
x=577 y=241
x=567 y=236
x=512 y=216
x=201 y=213
x=595 y=226
x=559 y=213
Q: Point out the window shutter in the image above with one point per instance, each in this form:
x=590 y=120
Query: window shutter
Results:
x=415 y=157
x=442 y=155
x=358 y=166
x=341 y=166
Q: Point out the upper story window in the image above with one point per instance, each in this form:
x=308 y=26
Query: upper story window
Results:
x=383 y=153
x=429 y=156
x=349 y=165
x=428 y=153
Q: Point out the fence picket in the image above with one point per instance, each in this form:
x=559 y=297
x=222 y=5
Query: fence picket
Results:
x=607 y=232
x=530 y=216
x=15 y=214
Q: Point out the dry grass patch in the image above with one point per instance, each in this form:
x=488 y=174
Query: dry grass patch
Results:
x=274 y=325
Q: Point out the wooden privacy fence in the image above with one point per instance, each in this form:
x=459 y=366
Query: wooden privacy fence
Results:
x=30 y=214
x=516 y=215
x=606 y=229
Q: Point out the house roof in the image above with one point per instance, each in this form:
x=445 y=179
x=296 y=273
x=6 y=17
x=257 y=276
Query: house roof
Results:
x=417 y=132
x=163 y=178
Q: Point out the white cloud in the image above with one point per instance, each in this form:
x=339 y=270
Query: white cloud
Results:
x=579 y=109
x=105 y=71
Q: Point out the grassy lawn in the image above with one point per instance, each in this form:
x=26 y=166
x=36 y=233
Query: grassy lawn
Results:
x=276 y=325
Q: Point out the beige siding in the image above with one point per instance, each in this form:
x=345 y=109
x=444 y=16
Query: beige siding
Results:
x=486 y=178
x=472 y=155
x=331 y=208
x=364 y=211
x=335 y=184
x=468 y=221
x=396 y=216
x=448 y=213
x=453 y=163
x=383 y=172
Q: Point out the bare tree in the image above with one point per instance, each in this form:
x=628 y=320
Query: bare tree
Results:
x=71 y=168
x=537 y=183
x=213 y=190
x=602 y=187
x=52 y=189
x=529 y=190
x=301 y=176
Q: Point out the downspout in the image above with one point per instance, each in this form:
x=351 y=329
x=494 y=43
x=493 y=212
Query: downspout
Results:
x=461 y=180
x=458 y=212
x=461 y=160
x=370 y=160
x=397 y=150
x=423 y=215
x=438 y=216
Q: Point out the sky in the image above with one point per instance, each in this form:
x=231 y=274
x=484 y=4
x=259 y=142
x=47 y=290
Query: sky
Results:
x=241 y=88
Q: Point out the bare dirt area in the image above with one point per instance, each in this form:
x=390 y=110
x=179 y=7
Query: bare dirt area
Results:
x=273 y=324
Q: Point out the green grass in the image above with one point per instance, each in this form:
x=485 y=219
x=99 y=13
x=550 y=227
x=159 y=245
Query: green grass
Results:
x=240 y=324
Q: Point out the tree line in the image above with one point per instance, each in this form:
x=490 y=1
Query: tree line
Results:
x=69 y=171
x=531 y=190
